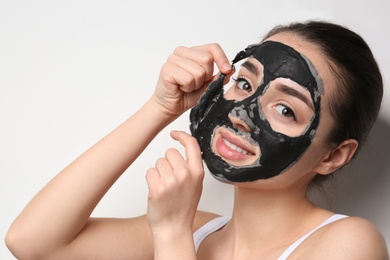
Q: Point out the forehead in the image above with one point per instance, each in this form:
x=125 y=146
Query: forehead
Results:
x=314 y=54
x=324 y=66
x=282 y=61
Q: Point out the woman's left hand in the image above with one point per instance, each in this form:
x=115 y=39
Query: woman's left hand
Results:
x=175 y=187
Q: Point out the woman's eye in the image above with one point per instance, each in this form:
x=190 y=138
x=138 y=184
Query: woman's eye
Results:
x=243 y=84
x=285 y=111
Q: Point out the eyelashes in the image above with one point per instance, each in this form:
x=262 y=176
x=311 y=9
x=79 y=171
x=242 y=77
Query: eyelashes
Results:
x=243 y=84
x=282 y=109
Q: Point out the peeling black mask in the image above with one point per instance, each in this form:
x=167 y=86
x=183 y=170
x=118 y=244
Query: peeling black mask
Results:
x=278 y=152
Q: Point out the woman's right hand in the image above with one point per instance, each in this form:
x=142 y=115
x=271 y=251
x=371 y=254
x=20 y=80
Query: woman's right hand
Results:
x=185 y=76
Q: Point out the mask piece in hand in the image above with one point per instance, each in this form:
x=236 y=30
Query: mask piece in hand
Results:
x=277 y=151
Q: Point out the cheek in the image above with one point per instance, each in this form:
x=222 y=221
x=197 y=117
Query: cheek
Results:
x=313 y=156
x=324 y=129
x=318 y=149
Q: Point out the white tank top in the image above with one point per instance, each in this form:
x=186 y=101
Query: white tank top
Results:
x=217 y=223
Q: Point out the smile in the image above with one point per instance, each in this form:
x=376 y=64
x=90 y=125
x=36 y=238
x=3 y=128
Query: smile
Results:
x=235 y=147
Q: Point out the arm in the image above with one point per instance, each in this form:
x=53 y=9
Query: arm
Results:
x=175 y=186
x=57 y=220
x=55 y=216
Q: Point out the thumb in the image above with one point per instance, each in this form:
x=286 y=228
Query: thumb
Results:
x=192 y=149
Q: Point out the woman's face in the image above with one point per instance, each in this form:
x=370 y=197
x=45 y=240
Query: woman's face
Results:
x=272 y=115
x=285 y=104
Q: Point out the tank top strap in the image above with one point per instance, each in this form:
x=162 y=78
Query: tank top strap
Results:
x=291 y=248
x=209 y=228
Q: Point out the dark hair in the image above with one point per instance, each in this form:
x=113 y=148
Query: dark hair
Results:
x=356 y=103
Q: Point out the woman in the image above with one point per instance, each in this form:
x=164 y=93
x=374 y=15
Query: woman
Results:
x=302 y=86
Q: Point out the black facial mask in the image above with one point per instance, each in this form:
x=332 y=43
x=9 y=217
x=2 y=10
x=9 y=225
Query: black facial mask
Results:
x=278 y=152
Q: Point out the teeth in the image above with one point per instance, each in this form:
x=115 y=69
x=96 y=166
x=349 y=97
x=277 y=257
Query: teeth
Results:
x=234 y=147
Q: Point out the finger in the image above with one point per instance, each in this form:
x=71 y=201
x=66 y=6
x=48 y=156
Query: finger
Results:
x=192 y=150
x=228 y=75
x=180 y=167
x=219 y=56
x=152 y=178
x=185 y=73
x=197 y=74
x=179 y=78
x=206 y=55
x=163 y=167
x=231 y=73
x=201 y=57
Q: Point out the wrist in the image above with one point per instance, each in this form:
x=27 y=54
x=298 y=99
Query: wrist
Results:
x=157 y=114
x=161 y=108
x=171 y=234
x=174 y=244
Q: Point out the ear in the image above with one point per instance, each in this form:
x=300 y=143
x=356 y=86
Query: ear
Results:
x=337 y=157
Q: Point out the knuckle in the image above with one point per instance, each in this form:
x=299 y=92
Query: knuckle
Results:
x=180 y=49
x=189 y=81
x=170 y=182
x=170 y=152
x=215 y=45
x=198 y=171
x=207 y=58
x=199 y=72
x=159 y=162
x=159 y=193
x=165 y=187
x=171 y=59
x=192 y=141
x=150 y=171
x=184 y=172
x=166 y=69
x=149 y=174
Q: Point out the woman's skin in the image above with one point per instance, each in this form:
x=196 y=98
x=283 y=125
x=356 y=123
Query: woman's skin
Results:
x=287 y=113
x=272 y=213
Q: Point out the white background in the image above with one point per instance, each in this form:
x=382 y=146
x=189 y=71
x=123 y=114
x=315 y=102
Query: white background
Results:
x=70 y=71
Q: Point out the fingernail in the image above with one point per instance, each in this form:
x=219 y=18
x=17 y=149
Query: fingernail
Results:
x=227 y=67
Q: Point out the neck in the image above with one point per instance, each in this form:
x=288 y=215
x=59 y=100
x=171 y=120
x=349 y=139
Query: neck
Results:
x=272 y=218
x=270 y=206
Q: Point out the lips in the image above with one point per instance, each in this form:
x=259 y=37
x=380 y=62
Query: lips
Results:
x=233 y=148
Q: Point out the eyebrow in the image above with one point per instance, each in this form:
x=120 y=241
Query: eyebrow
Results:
x=283 y=88
x=251 y=67
x=295 y=93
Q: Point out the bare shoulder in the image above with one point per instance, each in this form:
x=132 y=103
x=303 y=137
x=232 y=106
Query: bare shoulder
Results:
x=202 y=218
x=360 y=236
x=349 y=238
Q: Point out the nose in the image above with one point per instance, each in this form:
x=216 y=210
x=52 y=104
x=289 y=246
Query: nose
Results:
x=239 y=123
